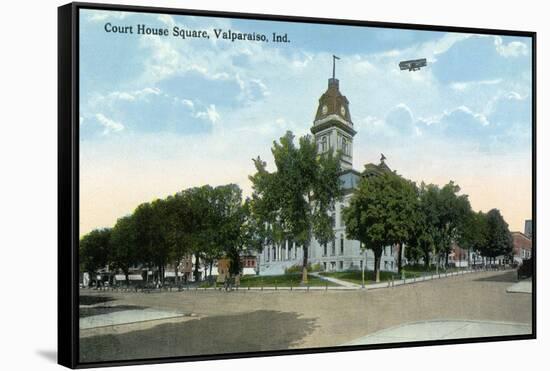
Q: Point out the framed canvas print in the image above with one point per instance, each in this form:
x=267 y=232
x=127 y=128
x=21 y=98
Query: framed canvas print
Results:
x=239 y=185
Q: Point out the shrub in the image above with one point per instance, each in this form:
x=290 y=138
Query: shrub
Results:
x=297 y=268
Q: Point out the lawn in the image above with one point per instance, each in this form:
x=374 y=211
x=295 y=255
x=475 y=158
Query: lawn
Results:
x=356 y=276
x=409 y=272
x=283 y=280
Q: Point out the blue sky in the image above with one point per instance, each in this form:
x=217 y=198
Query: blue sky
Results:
x=161 y=114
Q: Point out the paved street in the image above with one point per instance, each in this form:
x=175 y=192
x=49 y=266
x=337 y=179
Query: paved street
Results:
x=213 y=322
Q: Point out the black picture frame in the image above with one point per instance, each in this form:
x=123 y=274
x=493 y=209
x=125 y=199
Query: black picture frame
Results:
x=68 y=180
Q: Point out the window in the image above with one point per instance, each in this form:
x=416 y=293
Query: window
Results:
x=325 y=249
x=342 y=222
x=341 y=244
x=341 y=265
x=345 y=146
x=324 y=144
x=325 y=266
x=333 y=247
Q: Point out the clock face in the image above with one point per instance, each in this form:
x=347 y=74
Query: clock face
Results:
x=343 y=110
x=324 y=110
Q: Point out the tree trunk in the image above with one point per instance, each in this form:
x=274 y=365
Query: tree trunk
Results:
x=446 y=259
x=377 y=256
x=427 y=260
x=211 y=264
x=304 y=265
x=400 y=258
x=196 y=268
x=176 y=280
x=126 y=274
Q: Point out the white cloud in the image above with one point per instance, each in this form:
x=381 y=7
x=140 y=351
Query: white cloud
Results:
x=466 y=85
x=188 y=103
x=166 y=19
x=479 y=117
x=128 y=96
x=210 y=114
x=109 y=126
x=102 y=15
x=445 y=43
x=512 y=49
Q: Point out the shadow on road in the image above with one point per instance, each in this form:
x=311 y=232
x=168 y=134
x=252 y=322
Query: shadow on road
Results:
x=510 y=276
x=90 y=300
x=247 y=332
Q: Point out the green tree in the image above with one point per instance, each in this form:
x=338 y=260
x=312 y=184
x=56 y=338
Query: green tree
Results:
x=123 y=242
x=422 y=236
x=381 y=213
x=475 y=235
x=160 y=224
x=420 y=243
x=94 y=250
x=229 y=219
x=202 y=235
x=453 y=211
x=298 y=196
x=445 y=212
x=152 y=226
x=178 y=229
x=499 y=238
x=405 y=215
x=142 y=220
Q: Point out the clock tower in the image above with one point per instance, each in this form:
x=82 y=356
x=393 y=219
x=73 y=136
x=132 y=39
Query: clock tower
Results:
x=332 y=127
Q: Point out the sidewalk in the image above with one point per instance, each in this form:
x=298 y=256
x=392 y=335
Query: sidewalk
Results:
x=125 y=317
x=443 y=329
x=336 y=281
x=343 y=285
x=524 y=287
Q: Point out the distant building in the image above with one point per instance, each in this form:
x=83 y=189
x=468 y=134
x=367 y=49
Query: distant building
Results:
x=522 y=247
x=459 y=256
x=529 y=228
x=249 y=264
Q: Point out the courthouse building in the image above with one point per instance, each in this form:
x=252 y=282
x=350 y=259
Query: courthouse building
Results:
x=333 y=131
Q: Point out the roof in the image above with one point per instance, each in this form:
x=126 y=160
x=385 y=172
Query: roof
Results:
x=333 y=109
x=375 y=170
